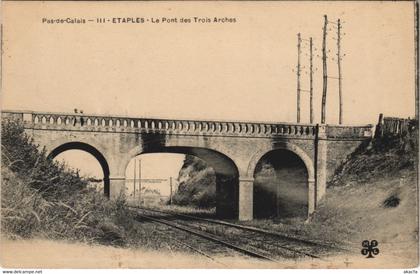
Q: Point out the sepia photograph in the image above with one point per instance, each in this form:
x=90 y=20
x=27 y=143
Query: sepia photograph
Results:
x=209 y=135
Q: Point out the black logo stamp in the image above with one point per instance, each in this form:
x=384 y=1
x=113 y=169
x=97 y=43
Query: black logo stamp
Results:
x=370 y=248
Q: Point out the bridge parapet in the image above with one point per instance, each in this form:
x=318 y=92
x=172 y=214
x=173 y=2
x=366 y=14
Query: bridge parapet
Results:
x=77 y=122
x=100 y=123
x=353 y=132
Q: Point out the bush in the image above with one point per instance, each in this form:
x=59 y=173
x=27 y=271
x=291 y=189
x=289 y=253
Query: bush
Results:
x=197 y=184
x=23 y=157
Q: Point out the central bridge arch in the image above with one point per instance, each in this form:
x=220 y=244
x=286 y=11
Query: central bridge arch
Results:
x=226 y=171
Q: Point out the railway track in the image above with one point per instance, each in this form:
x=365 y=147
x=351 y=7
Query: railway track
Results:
x=210 y=237
x=183 y=243
x=250 y=228
x=249 y=241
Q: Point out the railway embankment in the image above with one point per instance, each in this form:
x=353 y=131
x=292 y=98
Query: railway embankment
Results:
x=373 y=196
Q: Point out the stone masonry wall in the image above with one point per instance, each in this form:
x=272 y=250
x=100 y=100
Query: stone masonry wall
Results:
x=337 y=153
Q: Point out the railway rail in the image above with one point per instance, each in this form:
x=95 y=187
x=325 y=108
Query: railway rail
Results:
x=189 y=246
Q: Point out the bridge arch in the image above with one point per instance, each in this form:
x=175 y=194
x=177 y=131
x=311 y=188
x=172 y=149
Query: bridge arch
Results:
x=92 y=151
x=309 y=163
x=301 y=154
x=226 y=171
x=281 y=186
x=221 y=162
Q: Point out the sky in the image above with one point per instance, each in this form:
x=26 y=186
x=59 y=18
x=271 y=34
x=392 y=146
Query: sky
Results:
x=229 y=71
x=153 y=166
x=226 y=71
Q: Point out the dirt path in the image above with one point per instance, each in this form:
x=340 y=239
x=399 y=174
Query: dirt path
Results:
x=53 y=254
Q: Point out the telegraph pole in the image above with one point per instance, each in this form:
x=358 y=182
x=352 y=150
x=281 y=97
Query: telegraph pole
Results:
x=170 y=193
x=416 y=54
x=298 y=78
x=324 y=72
x=340 y=95
x=311 y=72
x=140 y=182
x=277 y=198
x=134 y=191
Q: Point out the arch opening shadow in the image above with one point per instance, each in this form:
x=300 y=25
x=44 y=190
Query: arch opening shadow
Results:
x=171 y=179
x=92 y=151
x=226 y=175
x=281 y=186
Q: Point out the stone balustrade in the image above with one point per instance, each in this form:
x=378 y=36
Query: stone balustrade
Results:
x=82 y=122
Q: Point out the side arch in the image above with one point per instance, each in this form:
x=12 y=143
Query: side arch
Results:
x=92 y=151
x=309 y=164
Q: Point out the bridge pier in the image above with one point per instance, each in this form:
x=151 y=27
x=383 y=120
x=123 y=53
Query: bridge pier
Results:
x=246 y=199
x=116 y=187
x=226 y=197
x=311 y=196
x=321 y=168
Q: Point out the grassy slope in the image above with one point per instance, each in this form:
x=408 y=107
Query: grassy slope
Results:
x=84 y=215
x=374 y=194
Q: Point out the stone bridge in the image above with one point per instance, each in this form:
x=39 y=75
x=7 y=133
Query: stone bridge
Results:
x=232 y=148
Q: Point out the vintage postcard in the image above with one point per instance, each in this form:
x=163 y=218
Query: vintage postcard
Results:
x=201 y=134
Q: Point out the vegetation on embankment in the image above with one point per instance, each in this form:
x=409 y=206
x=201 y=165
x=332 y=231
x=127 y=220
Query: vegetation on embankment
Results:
x=41 y=198
x=380 y=158
x=197 y=184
